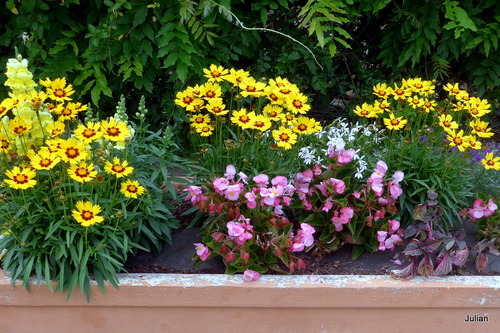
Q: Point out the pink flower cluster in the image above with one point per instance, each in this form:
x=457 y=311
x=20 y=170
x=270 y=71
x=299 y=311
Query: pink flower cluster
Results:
x=240 y=231
x=202 y=251
x=343 y=156
x=376 y=181
x=479 y=209
x=327 y=187
x=303 y=239
x=388 y=239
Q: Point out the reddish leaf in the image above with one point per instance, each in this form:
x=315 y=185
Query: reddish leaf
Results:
x=413 y=249
x=444 y=267
x=230 y=256
x=481 y=261
x=217 y=236
x=460 y=257
x=425 y=267
x=431 y=245
x=405 y=273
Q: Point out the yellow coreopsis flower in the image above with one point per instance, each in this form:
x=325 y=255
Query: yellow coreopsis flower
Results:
x=37 y=98
x=474 y=143
x=237 y=76
x=453 y=89
x=446 y=122
x=303 y=125
x=217 y=107
x=55 y=129
x=260 y=122
x=400 y=93
x=89 y=132
x=297 y=103
x=491 y=162
x=480 y=128
x=250 y=87
x=6 y=105
x=87 y=214
x=132 y=189
x=215 y=73
x=415 y=101
x=65 y=112
x=272 y=112
x=272 y=94
x=205 y=129
x=428 y=105
x=118 y=168
x=187 y=100
x=18 y=126
x=210 y=90
x=82 y=172
x=20 y=179
x=478 y=107
x=242 y=118
x=45 y=159
x=200 y=119
x=393 y=123
x=285 y=137
x=5 y=144
x=379 y=107
x=458 y=139
x=72 y=150
x=114 y=130
x=365 y=110
x=381 y=90
x=59 y=90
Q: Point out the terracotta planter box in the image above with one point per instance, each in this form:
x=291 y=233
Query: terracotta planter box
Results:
x=222 y=303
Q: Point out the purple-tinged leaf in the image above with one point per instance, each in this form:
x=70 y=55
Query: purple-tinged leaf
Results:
x=431 y=245
x=481 y=261
x=413 y=249
x=460 y=235
x=425 y=267
x=449 y=245
x=406 y=273
x=460 y=257
x=493 y=248
x=410 y=231
x=444 y=267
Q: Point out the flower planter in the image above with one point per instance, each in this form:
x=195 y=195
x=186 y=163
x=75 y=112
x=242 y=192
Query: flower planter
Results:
x=223 y=303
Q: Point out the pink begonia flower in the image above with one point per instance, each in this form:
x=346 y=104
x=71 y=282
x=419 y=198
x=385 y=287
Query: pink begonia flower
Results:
x=307 y=204
x=398 y=176
x=317 y=169
x=242 y=177
x=202 y=251
x=328 y=205
x=232 y=192
x=356 y=194
x=261 y=180
x=339 y=222
x=270 y=195
x=220 y=184
x=347 y=212
x=287 y=201
x=230 y=172
x=476 y=213
x=304 y=238
x=383 y=201
x=304 y=177
x=346 y=156
x=249 y=275
x=393 y=226
x=240 y=232
x=395 y=189
x=491 y=205
x=194 y=193
x=390 y=243
x=397 y=262
x=376 y=185
x=338 y=185
x=380 y=170
x=278 y=210
x=279 y=180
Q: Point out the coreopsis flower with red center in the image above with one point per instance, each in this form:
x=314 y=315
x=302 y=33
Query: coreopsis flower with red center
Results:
x=87 y=214
x=273 y=95
x=20 y=179
x=237 y=76
x=477 y=107
x=65 y=112
x=6 y=105
x=381 y=90
x=55 y=129
x=205 y=130
x=490 y=162
x=73 y=150
x=447 y=123
x=428 y=105
x=217 y=107
x=285 y=137
x=210 y=90
x=452 y=89
x=458 y=139
x=297 y=103
x=188 y=101
x=400 y=93
x=480 y=128
x=365 y=110
x=242 y=118
x=474 y=143
x=272 y=112
x=118 y=168
x=36 y=98
x=250 y=87
x=114 y=130
x=54 y=145
x=394 y=123
x=215 y=73
x=380 y=107
x=415 y=102
x=59 y=90
x=303 y=125
x=280 y=82
x=261 y=123
x=132 y=189
x=44 y=159
x=4 y=143
x=89 y=132
x=82 y=172
x=18 y=126
x=199 y=119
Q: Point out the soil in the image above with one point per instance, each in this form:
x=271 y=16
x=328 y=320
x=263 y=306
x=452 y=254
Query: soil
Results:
x=179 y=257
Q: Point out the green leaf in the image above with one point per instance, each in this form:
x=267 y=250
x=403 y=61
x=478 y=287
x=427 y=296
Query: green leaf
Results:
x=29 y=5
x=140 y=15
